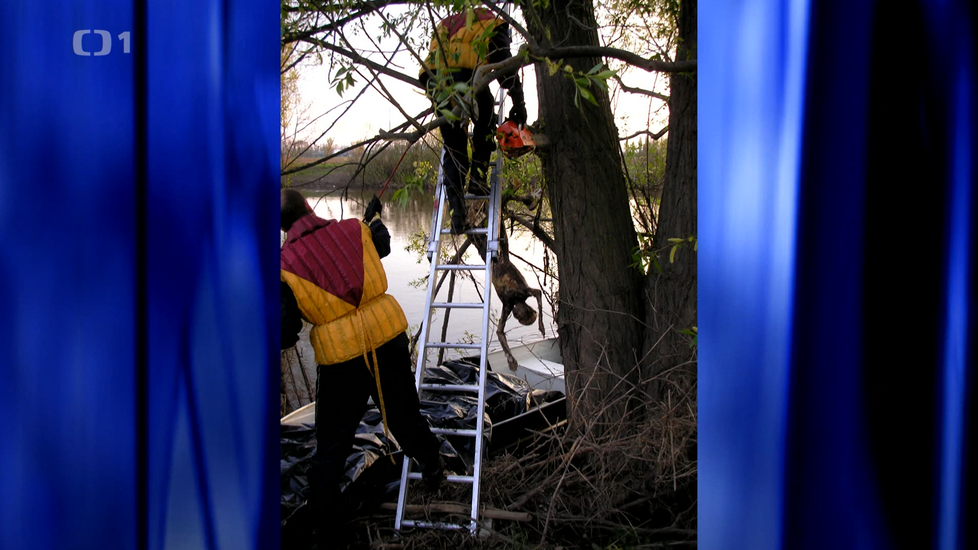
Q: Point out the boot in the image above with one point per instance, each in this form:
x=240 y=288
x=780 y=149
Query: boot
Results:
x=478 y=185
x=432 y=472
x=456 y=205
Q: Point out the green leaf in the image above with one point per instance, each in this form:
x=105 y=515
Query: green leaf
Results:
x=675 y=240
x=672 y=253
x=400 y=197
x=589 y=96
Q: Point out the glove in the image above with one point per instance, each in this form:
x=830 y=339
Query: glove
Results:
x=517 y=113
x=374 y=209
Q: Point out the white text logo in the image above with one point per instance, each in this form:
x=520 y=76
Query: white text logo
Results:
x=106 y=36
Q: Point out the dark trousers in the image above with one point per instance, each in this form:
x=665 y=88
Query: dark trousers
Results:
x=341 y=400
x=456 y=139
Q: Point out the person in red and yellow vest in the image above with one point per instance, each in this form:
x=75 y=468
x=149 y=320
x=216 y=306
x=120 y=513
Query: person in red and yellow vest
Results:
x=331 y=277
x=461 y=43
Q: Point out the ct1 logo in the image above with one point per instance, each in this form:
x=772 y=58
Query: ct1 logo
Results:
x=76 y=42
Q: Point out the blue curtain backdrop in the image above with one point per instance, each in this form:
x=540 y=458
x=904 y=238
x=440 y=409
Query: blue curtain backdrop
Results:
x=212 y=96
x=138 y=250
x=837 y=285
x=67 y=324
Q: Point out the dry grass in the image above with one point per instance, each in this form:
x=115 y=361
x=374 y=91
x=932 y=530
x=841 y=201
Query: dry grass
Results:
x=632 y=487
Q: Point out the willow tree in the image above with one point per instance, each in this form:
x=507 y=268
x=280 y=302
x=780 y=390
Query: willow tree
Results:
x=609 y=314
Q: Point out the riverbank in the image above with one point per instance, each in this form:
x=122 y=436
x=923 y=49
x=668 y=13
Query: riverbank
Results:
x=341 y=173
x=329 y=178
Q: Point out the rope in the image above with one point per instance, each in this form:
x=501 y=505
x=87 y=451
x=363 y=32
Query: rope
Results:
x=376 y=373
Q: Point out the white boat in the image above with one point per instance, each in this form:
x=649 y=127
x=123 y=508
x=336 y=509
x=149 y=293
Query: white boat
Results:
x=539 y=363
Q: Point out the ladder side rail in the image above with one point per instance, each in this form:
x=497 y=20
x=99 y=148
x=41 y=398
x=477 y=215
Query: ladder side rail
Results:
x=480 y=415
x=434 y=251
x=434 y=247
x=491 y=248
x=436 y=218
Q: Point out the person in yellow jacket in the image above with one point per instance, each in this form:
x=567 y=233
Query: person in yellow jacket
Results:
x=461 y=43
x=331 y=277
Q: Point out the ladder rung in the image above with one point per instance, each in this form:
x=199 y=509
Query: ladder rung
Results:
x=459 y=305
x=457 y=267
x=458 y=508
x=433 y=525
x=477 y=197
x=449 y=345
x=453 y=431
x=451 y=478
x=476 y=231
x=450 y=387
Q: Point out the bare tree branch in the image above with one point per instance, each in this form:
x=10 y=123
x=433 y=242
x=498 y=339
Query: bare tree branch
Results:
x=349 y=104
x=534 y=228
x=365 y=8
x=641 y=91
x=632 y=59
x=357 y=58
x=512 y=23
x=366 y=142
x=654 y=136
x=402 y=39
x=377 y=84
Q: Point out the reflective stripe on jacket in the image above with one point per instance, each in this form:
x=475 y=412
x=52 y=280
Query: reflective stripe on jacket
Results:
x=340 y=286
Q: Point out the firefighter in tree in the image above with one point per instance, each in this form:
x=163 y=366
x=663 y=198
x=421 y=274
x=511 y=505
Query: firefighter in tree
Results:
x=461 y=43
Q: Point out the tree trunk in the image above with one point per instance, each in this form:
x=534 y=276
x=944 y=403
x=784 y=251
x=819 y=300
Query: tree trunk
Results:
x=600 y=305
x=670 y=290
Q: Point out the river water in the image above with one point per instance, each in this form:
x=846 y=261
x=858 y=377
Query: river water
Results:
x=406 y=270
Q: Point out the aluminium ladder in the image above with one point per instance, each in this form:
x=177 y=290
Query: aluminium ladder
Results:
x=491 y=233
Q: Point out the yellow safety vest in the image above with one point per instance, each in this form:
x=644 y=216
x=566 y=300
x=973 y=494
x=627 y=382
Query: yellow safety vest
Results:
x=340 y=287
x=454 y=44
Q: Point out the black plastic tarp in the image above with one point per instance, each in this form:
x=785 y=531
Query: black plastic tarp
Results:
x=371 y=476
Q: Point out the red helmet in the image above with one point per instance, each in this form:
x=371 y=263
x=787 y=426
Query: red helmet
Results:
x=514 y=140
